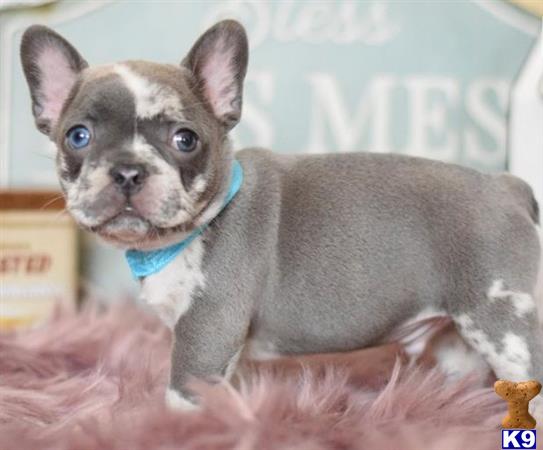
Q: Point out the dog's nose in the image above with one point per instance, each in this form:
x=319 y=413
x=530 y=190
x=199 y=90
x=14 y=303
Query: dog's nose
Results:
x=128 y=177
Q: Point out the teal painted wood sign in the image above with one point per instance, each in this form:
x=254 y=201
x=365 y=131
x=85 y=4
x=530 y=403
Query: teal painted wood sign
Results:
x=423 y=78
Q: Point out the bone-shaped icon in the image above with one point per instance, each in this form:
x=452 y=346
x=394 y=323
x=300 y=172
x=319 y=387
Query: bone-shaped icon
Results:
x=518 y=396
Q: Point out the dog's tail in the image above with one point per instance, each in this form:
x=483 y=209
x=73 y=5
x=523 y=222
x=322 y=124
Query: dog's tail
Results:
x=525 y=197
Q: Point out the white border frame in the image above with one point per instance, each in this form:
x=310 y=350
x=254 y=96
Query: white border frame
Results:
x=526 y=122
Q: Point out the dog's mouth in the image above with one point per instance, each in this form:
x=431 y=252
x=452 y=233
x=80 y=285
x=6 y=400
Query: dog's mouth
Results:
x=129 y=228
x=125 y=227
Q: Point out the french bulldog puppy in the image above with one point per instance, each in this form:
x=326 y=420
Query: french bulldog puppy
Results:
x=278 y=254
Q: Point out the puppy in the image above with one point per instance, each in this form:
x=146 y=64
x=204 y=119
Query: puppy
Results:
x=278 y=254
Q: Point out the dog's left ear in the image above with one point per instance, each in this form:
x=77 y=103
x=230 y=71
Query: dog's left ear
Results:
x=218 y=60
x=51 y=66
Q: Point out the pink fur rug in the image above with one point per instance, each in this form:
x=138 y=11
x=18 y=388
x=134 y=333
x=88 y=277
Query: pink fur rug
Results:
x=96 y=380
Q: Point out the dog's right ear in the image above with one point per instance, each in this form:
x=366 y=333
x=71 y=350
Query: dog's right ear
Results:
x=218 y=60
x=51 y=66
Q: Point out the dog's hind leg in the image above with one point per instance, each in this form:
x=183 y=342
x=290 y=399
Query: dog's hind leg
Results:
x=504 y=328
x=457 y=359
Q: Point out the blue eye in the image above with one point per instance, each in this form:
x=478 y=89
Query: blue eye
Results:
x=78 y=137
x=185 y=140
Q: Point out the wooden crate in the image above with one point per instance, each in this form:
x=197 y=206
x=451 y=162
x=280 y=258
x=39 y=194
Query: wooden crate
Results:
x=38 y=257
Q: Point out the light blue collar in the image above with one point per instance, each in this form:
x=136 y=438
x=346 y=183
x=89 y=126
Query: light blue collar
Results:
x=145 y=263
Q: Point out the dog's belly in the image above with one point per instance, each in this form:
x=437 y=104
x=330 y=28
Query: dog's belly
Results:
x=268 y=343
x=323 y=322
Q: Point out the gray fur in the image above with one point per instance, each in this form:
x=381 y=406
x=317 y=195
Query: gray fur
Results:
x=332 y=252
x=315 y=253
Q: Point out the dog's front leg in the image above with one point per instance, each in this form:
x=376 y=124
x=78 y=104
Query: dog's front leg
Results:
x=208 y=341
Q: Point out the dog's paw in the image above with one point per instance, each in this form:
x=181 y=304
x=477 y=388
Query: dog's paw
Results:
x=175 y=401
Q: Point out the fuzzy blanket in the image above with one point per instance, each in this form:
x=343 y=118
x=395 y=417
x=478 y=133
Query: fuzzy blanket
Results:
x=96 y=380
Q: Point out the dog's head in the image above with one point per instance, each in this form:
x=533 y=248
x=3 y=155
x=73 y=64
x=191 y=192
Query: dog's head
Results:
x=143 y=154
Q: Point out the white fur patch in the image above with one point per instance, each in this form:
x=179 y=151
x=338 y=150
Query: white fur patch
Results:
x=415 y=332
x=199 y=184
x=174 y=400
x=522 y=302
x=144 y=150
x=169 y=292
x=456 y=359
x=260 y=350
x=151 y=98
x=512 y=363
x=515 y=349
